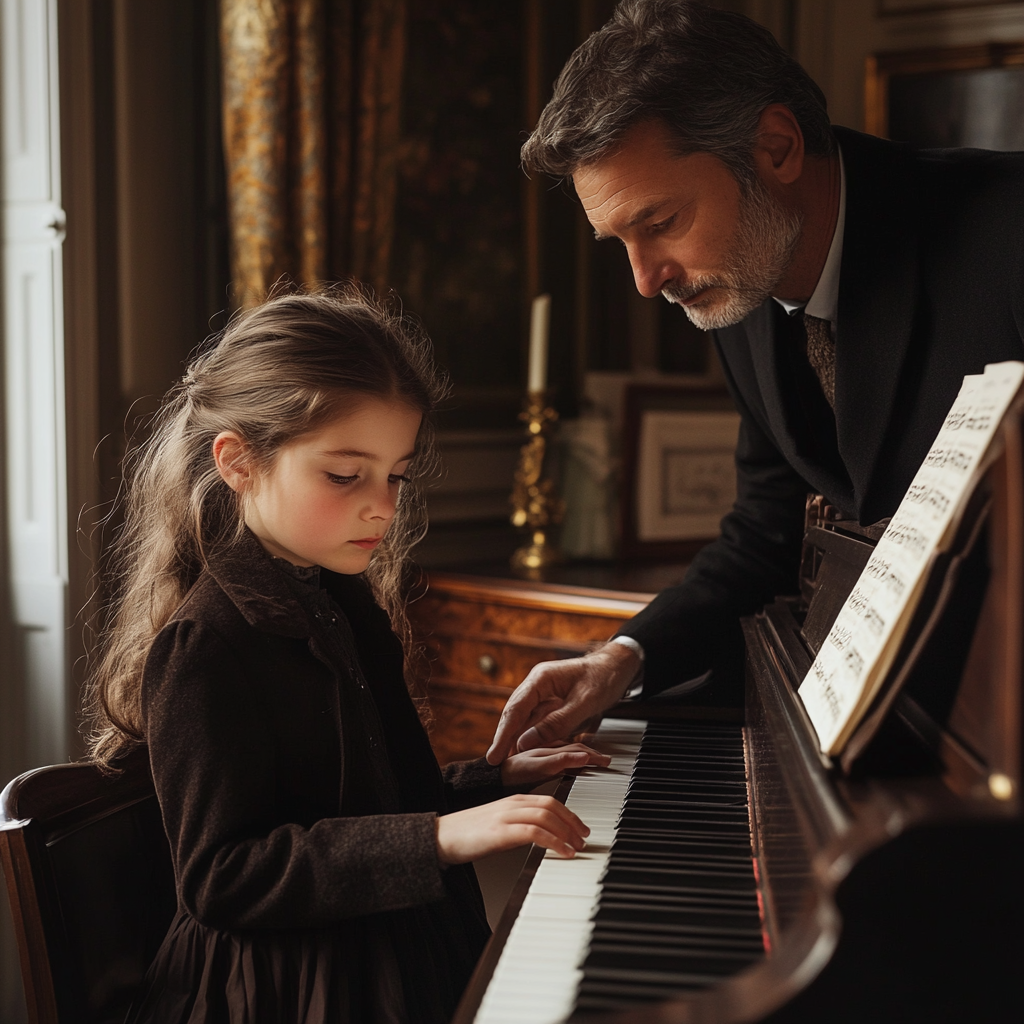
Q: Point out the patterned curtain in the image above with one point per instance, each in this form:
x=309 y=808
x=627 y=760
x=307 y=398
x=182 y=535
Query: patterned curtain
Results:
x=312 y=120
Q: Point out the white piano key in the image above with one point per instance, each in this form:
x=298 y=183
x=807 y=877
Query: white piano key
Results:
x=556 y=914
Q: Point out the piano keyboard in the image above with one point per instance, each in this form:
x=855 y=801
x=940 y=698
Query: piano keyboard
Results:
x=662 y=899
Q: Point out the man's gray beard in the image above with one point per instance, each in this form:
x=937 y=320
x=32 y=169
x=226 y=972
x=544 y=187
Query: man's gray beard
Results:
x=766 y=239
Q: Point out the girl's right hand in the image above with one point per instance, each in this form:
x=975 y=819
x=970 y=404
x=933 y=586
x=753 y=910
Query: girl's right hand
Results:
x=504 y=824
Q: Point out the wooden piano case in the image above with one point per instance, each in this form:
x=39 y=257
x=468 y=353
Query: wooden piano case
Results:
x=891 y=879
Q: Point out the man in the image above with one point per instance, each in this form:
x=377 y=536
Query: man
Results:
x=849 y=283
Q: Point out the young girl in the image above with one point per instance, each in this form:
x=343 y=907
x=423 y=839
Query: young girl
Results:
x=321 y=857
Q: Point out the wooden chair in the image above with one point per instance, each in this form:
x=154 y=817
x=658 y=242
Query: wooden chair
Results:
x=90 y=883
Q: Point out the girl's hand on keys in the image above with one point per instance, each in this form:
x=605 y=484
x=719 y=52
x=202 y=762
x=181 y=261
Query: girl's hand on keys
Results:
x=545 y=763
x=505 y=824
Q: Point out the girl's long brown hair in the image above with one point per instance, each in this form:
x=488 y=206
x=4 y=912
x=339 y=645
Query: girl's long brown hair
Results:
x=277 y=372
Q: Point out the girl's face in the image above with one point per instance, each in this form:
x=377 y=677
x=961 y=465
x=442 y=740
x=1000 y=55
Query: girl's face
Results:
x=329 y=497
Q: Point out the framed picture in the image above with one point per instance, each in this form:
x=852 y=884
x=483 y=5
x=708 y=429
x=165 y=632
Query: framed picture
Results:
x=679 y=474
x=948 y=97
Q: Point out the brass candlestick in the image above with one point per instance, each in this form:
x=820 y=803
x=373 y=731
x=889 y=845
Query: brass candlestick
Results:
x=535 y=504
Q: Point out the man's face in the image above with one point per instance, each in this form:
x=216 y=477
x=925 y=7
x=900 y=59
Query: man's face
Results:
x=690 y=231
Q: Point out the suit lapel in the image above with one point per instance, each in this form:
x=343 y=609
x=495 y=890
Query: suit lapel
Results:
x=877 y=295
x=764 y=353
x=801 y=434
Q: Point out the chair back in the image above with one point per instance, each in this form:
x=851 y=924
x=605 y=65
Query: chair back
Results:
x=91 y=886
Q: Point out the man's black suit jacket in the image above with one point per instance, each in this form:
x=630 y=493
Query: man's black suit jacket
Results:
x=931 y=288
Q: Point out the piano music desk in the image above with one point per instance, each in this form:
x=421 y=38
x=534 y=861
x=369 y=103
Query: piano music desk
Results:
x=485 y=628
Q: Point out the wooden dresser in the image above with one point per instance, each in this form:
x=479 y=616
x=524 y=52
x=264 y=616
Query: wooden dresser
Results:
x=485 y=629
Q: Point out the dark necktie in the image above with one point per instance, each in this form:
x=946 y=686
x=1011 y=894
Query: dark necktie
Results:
x=821 y=354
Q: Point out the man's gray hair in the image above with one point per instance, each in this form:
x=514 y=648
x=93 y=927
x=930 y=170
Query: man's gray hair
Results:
x=707 y=74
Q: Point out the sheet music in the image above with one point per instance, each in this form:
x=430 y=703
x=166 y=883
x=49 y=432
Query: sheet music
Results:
x=859 y=650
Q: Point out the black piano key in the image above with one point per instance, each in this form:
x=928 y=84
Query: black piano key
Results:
x=692 y=898
x=664 y=958
x=643 y=815
x=698 y=798
x=684 y=935
x=620 y=910
x=672 y=974
x=706 y=865
x=712 y=841
x=678 y=902
x=715 y=918
x=678 y=908
x=712 y=810
x=679 y=876
x=600 y=994
x=661 y=847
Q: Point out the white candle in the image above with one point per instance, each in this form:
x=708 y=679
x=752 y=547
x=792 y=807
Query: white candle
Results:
x=539 y=318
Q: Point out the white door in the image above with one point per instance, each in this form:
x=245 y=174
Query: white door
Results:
x=33 y=343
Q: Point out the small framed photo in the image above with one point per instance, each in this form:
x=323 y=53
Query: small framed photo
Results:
x=679 y=473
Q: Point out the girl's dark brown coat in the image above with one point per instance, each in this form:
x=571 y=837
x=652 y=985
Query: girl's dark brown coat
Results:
x=299 y=794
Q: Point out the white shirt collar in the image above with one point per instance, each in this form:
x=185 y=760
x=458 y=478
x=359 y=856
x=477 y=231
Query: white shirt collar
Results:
x=824 y=300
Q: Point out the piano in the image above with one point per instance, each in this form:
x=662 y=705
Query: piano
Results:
x=736 y=874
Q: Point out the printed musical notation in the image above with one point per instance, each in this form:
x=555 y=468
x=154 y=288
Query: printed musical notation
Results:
x=859 y=650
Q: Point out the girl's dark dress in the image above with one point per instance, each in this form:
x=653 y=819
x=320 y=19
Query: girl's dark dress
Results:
x=299 y=793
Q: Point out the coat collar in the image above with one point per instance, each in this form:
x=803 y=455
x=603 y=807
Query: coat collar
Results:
x=245 y=572
x=774 y=335
x=268 y=601
x=878 y=288
x=877 y=296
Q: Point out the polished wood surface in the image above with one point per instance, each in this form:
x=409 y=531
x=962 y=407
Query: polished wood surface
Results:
x=889 y=879
x=484 y=630
x=90 y=884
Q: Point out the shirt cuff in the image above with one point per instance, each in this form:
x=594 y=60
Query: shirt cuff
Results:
x=636 y=685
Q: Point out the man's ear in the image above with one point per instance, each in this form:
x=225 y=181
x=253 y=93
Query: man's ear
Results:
x=231 y=454
x=779 y=151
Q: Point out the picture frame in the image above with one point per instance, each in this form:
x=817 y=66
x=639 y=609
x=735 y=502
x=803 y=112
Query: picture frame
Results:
x=679 y=475
x=948 y=96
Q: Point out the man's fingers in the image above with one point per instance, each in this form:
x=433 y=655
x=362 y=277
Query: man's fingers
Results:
x=545 y=687
x=528 y=704
x=560 y=723
x=512 y=722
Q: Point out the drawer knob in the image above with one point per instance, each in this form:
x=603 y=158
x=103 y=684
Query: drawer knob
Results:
x=487 y=664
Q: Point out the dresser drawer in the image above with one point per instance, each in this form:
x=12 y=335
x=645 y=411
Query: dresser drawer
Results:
x=462 y=617
x=482 y=637
x=491 y=660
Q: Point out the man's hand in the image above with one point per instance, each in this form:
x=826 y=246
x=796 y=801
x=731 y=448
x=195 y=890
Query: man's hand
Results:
x=545 y=763
x=558 y=697
x=505 y=824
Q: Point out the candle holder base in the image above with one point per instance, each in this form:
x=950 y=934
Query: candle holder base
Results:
x=535 y=505
x=537 y=554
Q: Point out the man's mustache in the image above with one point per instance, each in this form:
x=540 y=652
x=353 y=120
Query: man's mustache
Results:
x=678 y=292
